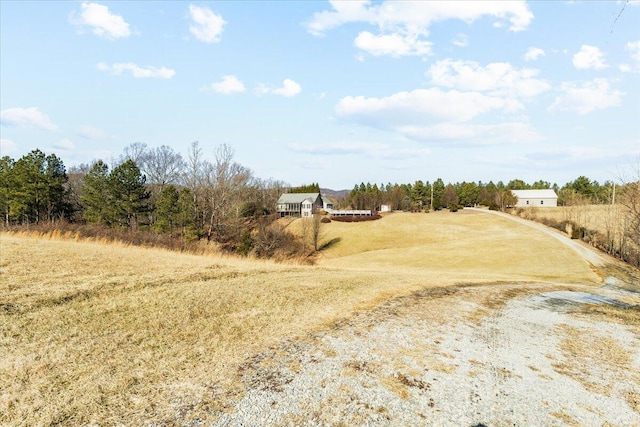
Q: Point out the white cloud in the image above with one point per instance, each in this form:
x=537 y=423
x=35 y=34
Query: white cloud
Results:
x=582 y=153
x=339 y=148
x=423 y=105
x=436 y=115
x=343 y=12
x=589 y=96
x=510 y=132
x=634 y=50
x=102 y=22
x=288 y=89
x=371 y=150
x=403 y=25
x=8 y=147
x=228 y=85
x=137 y=71
x=25 y=118
x=89 y=132
x=417 y=16
x=533 y=53
x=498 y=78
x=64 y=144
x=316 y=163
x=207 y=26
x=461 y=40
x=589 y=57
x=392 y=44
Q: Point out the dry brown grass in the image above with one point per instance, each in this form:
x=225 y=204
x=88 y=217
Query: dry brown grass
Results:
x=110 y=334
x=624 y=315
x=593 y=217
x=471 y=245
x=586 y=355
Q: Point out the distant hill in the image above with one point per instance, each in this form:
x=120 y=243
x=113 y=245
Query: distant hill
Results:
x=334 y=194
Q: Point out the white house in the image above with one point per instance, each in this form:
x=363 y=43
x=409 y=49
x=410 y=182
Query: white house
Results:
x=536 y=198
x=327 y=204
x=298 y=204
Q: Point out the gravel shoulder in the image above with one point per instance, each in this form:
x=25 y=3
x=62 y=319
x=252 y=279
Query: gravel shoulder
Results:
x=493 y=355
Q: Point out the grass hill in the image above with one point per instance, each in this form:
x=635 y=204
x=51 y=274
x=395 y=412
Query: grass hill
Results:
x=112 y=334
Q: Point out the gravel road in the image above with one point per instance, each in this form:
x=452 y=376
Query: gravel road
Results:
x=461 y=356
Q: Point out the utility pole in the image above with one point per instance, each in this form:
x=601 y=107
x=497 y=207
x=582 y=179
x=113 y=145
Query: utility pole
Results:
x=431 y=204
x=613 y=196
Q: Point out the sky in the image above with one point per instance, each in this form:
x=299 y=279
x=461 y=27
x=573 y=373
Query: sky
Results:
x=338 y=92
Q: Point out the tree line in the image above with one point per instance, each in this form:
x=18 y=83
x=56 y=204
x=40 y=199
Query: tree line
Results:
x=158 y=191
x=154 y=190
x=436 y=195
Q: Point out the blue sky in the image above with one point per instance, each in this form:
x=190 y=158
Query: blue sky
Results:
x=331 y=92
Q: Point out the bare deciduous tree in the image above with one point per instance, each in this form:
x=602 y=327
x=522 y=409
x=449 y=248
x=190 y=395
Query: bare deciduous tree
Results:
x=225 y=180
x=316 y=231
x=305 y=227
x=162 y=165
x=192 y=178
x=134 y=151
x=505 y=198
x=630 y=201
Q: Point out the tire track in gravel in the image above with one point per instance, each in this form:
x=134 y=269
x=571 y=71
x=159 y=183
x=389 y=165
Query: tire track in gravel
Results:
x=496 y=341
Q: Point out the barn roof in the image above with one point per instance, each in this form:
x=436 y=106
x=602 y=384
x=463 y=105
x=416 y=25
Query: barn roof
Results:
x=535 y=194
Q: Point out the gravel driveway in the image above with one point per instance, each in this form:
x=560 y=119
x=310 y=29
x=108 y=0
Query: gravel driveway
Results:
x=499 y=355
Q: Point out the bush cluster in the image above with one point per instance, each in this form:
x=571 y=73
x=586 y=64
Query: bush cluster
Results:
x=628 y=252
x=357 y=218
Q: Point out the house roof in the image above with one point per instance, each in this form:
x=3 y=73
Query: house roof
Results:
x=326 y=200
x=535 y=194
x=297 y=197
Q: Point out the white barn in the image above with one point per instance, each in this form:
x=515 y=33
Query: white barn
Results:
x=536 y=198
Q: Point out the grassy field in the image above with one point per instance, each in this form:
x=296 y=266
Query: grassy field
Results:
x=465 y=245
x=110 y=334
x=593 y=217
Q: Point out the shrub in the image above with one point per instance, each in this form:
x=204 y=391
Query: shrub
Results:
x=361 y=218
x=273 y=241
x=246 y=243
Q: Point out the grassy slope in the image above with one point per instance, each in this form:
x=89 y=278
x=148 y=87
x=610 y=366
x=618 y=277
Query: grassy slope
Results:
x=114 y=334
x=463 y=244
